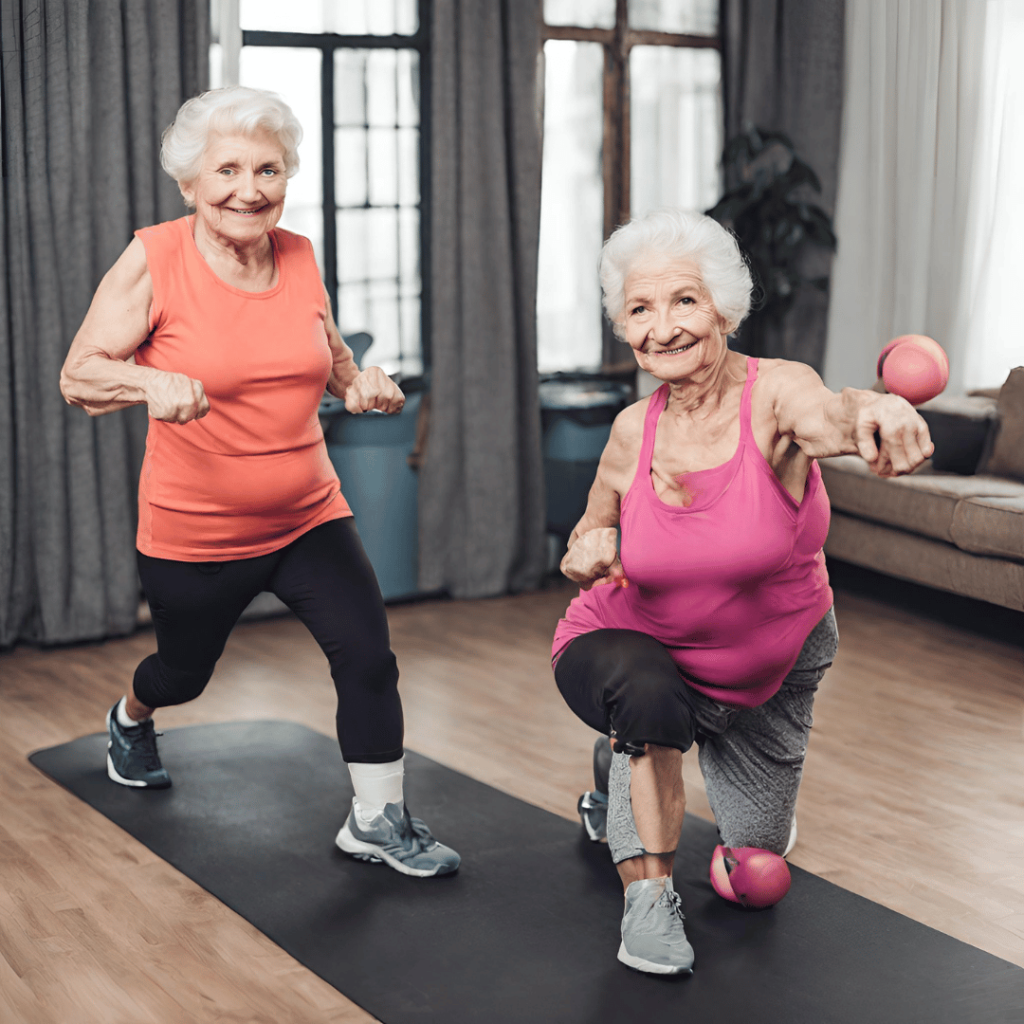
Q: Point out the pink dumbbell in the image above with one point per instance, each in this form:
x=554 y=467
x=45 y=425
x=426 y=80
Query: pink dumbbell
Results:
x=914 y=367
x=748 y=875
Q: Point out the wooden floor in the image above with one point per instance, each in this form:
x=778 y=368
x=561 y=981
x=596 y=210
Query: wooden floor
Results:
x=912 y=797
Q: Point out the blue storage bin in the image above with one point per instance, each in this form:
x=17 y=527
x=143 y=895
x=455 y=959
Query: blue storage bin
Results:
x=577 y=421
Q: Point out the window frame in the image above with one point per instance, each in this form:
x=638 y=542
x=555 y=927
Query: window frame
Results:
x=617 y=43
x=327 y=43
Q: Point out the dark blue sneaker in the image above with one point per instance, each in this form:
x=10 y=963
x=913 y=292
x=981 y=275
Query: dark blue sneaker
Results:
x=593 y=805
x=132 y=759
x=593 y=810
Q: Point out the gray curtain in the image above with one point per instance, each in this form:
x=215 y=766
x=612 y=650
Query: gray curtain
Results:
x=782 y=69
x=481 y=483
x=88 y=87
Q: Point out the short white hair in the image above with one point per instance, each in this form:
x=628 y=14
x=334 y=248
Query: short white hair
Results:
x=233 y=110
x=669 y=235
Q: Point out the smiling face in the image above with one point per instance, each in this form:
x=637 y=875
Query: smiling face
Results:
x=239 y=191
x=670 y=321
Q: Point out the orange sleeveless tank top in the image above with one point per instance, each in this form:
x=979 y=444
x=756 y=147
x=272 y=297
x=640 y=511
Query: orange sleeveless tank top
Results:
x=253 y=474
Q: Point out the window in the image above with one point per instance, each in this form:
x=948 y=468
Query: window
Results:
x=351 y=72
x=632 y=121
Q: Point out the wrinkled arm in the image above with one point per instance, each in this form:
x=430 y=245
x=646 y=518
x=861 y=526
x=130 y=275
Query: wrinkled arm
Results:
x=362 y=390
x=592 y=557
x=97 y=374
x=100 y=374
x=882 y=429
x=343 y=366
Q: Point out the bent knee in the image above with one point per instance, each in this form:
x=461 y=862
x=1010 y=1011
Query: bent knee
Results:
x=650 y=711
x=375 y=673
x=158 y=685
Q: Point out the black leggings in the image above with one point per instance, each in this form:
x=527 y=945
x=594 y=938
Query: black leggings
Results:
x=325 y=578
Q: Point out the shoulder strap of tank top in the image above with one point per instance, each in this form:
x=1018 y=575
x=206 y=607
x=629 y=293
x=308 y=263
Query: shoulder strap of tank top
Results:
x=746 y=430
x=654 y=410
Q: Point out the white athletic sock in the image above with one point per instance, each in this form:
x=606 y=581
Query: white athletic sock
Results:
x=377 y=785
x=122 y=716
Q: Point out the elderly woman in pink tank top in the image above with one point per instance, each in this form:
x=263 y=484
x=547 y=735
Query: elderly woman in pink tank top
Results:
x=219 y=323
x=705 y=613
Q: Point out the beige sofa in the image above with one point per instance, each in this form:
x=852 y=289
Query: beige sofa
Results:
x=957 y=523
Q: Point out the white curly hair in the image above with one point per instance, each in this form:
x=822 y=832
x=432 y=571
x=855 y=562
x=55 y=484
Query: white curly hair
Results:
x=233 y=110
x=669 y=235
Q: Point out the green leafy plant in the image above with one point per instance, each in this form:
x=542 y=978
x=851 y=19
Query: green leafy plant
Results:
x=767 y=209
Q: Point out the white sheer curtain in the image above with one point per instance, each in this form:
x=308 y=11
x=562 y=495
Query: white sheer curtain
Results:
x=910 y=176
x=990 y=321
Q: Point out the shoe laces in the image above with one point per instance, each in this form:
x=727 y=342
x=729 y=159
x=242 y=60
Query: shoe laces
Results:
x=424 y=840
x=673 y=902
x=144 y=746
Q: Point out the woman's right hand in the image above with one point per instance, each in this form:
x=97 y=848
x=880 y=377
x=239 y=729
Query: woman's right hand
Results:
x=593 y=559
x=175 y=398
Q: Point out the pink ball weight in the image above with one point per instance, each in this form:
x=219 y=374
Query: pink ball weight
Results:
x=750 y=876
x=914 y=367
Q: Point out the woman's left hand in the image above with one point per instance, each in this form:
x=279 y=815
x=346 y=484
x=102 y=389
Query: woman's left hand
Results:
x=373 y=389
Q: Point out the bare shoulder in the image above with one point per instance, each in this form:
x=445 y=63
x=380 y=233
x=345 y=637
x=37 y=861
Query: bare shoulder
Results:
x=621 y=453
x=774 y=375
x=628 y=428
x=130 y=273
x=782 y=383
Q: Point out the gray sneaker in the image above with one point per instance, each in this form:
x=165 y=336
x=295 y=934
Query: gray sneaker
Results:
x=792 y=839
x=132 y=758
x=398 y=840
x=653 y=938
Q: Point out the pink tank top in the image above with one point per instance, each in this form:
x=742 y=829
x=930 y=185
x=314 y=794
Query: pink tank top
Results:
x=732 y=584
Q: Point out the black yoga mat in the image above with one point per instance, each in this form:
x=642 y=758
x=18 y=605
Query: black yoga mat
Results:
x=527 y=931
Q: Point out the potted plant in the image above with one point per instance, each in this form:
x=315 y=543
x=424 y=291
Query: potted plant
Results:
x=767 y=208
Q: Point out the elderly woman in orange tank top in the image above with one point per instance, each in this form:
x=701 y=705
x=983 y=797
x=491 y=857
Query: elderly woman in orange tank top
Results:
x=219 y=323
x=711 y=622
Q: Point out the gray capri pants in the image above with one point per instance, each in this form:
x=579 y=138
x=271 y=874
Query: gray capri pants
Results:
x=625 y=683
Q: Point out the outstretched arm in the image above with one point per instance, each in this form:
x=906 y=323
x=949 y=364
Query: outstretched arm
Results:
x=362 y=390
x=884 y=430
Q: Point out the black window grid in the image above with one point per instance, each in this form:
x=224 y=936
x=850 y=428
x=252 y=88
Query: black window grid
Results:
x=328 y=44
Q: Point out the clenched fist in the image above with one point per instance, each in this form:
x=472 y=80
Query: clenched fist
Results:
x=593 y=559
x=373 y=389
x=891 y=436
x=176 y=398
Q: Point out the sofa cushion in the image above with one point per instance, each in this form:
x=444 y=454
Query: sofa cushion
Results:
x=990 y=526
x=959 y=427
x=924 y=502
x=1006 y=453
x=926 y=561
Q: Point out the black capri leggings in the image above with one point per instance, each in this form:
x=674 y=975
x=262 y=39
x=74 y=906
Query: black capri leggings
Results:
x=325 y=578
